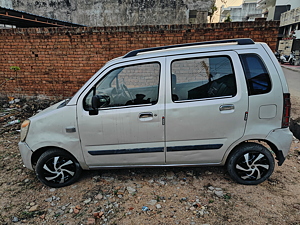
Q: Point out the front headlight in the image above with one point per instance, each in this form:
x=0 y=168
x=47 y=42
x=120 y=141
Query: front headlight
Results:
x=24 y=129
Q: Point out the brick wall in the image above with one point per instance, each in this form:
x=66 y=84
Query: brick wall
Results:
x=58 y=61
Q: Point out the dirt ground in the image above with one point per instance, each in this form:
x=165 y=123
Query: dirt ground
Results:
x=203 y=195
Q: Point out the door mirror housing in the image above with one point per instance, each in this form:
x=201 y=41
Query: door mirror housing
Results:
x=99 y=101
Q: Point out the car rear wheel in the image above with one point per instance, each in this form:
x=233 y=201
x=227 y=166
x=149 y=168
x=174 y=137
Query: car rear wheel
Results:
x=250 y=164
x=57 y=168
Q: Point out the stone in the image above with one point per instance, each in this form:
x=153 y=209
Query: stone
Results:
x=184 y=199
x=170 y=175
x=131 y=190
x=76 y=211
x=48 y=199
x=211 y=188
x=96 y=178
x=220 y=194
x=34 y=208
x=151 y=181
x=152 y=202
x=87 y=201
x=98 y=214
x=158 y=206
x=59 y=212
x=108 y=179
x=162 y=182
x=91 y=221
x=99 y=196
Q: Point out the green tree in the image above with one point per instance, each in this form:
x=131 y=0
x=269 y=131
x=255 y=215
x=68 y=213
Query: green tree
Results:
x=228 y=18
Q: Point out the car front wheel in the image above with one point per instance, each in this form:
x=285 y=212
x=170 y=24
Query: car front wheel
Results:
x=57 y=168
x=250 y=164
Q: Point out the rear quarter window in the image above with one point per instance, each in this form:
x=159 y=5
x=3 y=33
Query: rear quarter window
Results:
x=257 y=76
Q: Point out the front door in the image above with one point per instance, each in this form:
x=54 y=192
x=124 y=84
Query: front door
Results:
x=127 y=129
x=206 y=107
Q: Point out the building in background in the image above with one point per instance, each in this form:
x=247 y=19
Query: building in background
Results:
x=244 y=12
x=289 y=32
x=225 y=4
x=117 y=12
x=272 y=9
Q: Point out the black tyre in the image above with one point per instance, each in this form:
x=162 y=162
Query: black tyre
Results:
x=57 y=168
x=250 y=164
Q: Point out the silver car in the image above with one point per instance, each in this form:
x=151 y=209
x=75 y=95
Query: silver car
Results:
x=209 y=103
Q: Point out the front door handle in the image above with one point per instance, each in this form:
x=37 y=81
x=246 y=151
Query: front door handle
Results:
x=226 y=107
x=146 y=116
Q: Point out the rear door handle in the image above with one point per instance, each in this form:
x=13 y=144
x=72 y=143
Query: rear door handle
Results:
x=226 y=107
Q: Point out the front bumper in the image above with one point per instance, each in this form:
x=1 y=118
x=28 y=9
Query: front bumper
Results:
x=26 y=154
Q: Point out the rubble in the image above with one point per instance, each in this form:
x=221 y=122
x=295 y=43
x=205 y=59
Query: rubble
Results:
x=204 y=195
x=14 y=111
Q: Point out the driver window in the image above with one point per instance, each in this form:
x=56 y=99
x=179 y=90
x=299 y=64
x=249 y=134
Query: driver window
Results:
x=125 y=86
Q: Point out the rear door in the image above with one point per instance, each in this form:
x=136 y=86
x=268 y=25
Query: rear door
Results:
x=206 y=106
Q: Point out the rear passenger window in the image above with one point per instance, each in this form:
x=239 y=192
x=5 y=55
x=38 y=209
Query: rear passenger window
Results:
x=257 y=76
x=200 y=78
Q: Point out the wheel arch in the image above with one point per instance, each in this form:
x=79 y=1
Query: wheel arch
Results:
x=37 y=154
x=270 y=145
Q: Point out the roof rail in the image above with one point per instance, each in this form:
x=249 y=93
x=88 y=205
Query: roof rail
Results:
x=240 y=41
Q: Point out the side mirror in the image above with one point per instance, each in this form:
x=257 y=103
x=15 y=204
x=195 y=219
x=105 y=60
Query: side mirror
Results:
x=99 y=101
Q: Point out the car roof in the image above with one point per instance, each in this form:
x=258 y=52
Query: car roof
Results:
x=187 y=48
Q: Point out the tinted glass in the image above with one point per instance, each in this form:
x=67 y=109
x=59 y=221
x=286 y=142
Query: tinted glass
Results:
x=257 y=76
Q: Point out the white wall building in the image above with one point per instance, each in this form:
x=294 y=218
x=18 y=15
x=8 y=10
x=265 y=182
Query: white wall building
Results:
x=245 y=12
x=273 y=8
x=289 y=32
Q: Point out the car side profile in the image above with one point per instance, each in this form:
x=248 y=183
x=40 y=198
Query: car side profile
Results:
x=222 y=103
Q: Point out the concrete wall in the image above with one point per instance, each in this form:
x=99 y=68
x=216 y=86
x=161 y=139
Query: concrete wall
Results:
x=118 y=12
x=6 y=3
x=58 y=61
x=242 y=12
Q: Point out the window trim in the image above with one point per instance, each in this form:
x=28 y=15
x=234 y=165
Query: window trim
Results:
x=109 y=70
x=262 y=63
x=210 y=98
